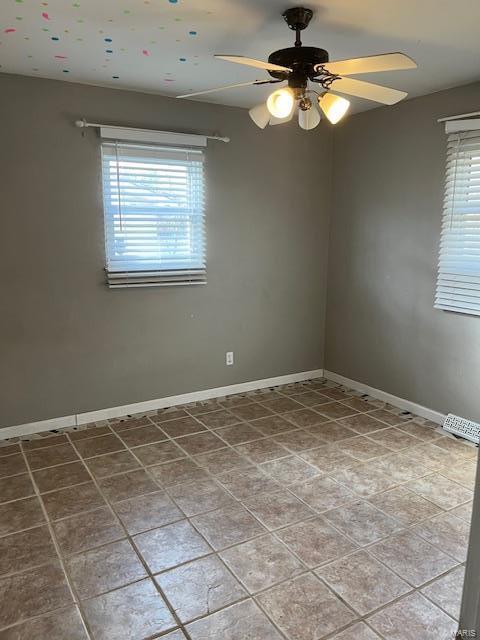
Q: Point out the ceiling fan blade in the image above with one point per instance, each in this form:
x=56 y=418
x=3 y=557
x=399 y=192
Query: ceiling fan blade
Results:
x=227 y=86
x=251 y=62
x=367 y=90
x=371 y=64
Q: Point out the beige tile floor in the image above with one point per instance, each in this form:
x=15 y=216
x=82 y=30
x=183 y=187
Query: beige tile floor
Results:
x=301 y=512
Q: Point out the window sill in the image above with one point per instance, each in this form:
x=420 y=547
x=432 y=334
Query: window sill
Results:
x=171 y=278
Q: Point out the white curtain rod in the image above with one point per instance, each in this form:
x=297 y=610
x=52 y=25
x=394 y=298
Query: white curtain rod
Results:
x=83 y=124
x=462 y=115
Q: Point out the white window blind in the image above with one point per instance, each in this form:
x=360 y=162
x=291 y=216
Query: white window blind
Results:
x=154 y=214
x=458 y=284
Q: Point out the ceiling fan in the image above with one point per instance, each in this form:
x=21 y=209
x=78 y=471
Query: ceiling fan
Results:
x=299 y=65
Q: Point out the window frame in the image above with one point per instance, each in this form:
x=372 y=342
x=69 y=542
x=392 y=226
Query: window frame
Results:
x=458 y=273
x=146 y=269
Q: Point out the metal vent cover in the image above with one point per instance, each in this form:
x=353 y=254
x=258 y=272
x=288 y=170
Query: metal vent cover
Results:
x=462 y=427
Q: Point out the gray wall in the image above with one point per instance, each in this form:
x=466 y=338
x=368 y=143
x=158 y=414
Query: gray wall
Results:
x=381 y=326
x=67 y=343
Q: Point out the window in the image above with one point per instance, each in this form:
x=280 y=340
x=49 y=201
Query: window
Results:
x=458 y=284
x=154 y=216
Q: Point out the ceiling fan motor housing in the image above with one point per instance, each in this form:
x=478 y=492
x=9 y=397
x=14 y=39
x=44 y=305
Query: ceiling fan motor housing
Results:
x=302 y=61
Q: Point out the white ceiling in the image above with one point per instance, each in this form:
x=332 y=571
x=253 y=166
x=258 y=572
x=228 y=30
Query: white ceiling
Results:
x=167 y=46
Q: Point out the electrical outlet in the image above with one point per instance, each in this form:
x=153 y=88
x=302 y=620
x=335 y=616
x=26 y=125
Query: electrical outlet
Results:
x=229 y=358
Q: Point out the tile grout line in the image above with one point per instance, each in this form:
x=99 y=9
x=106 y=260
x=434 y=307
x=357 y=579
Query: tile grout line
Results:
x=338 y=594
x=149 y=574
x=70 y=583
x=254 y=464
x=434 y=580
x=258 y=466
x=273 y=532
x=152 y=575
x=216 y=553
x=314 y=515
x=413 y=589
x=280 y=487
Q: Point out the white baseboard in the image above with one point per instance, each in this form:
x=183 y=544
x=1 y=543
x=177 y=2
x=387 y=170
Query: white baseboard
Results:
x=417 y=409
x=149 y=405
x=37 y=427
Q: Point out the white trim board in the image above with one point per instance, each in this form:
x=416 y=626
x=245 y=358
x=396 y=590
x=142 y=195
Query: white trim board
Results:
x=158 y=403
x=37 y=427
x=407 y=405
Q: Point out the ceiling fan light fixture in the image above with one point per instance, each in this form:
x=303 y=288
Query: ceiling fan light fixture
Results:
x=308 y=118
x=274 y=120
x=304 y=103
x=260 y=115
x=334 y=107
x=280 y=103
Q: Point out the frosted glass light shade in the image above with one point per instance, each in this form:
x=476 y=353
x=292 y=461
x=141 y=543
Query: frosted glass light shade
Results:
x=280 y=103
x=308 y=119
x=281 y=120
x=334 y=107
x=260 y=115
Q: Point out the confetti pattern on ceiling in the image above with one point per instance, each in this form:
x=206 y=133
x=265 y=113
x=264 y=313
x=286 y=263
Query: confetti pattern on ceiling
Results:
x=143 y=45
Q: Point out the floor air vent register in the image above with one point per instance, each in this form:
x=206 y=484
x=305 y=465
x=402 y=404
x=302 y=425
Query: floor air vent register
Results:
x=462 y=427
